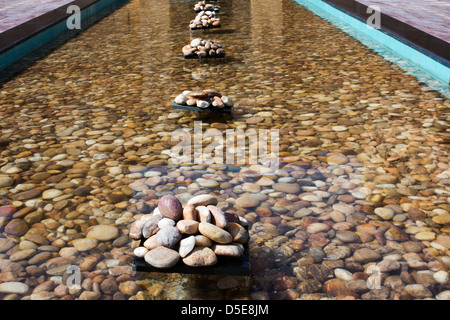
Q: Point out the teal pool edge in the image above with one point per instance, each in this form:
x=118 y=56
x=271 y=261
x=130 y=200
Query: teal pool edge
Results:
x=17 y=58
x=423 y=67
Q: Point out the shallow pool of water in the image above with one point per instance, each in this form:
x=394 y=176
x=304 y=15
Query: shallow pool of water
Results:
x=359 y=206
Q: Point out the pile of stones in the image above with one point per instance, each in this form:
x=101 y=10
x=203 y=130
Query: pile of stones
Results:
x=204 y=99
x=199 y=48
x=203 y=6
x=197 y=234
x=205 y=19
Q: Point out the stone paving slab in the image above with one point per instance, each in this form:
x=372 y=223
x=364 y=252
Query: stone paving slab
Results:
x=20 y=20
x=423 y=28
x=431 y=16
x=15 y=13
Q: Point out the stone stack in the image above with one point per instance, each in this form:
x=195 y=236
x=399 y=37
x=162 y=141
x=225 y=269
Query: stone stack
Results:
x=205 y=19
x=204 y=99
x=203 y=6
x=199 y=48
x=197 y=233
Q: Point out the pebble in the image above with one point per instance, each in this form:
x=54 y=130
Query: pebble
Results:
x=218 y=216
x=14 y=287
x=343 y=274
x=108 y=154
x=337 y=287
x=214 y=233
x=150 y=226
x=140 y=252
x=201 y=257
x=204 y=215
x=286 y=187
x=442 y=218
x=187 y=226
x=85 y=244
x=103 y=232
x=425 y=236
x=418 y=291
x=186 y=246
x=444 y=295
x=441 y=276
x=366 y=255
x=339 y=128
x=168 y=236
x=166 y=222
x=238 y=232
x=152 y=243
x=202 y=200
x=317 y=227
x=189 y=212
x=6 y=181
x=247 y=201
x=202 y=241
x=16 y=227
x=229 y=250
x=170 y=207
x=384 y=213
x=162 y=257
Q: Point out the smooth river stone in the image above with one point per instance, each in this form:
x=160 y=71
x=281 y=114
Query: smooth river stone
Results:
x=201 y=257
x=14 y=287
x=166 y=222
x=214 y=233
x=162 y=257
x=51 y=193
x=16 y=227
x=238 y=232
x=203 y=200
x=384 y=213
x=218 y=216
x=187 y=226
x=189 y=212
x=85 y=244
x=170 y=207
x=186 y=246
x=366 y=255
x=140 y=252
x=442 y=218
x=203 y=213
x=151 y=243
x=135 y=232
x=103 y=232
x=26 y=195
x=317 y=227
x=229 y=250
x=247 y=201
x=151 y=226
x=202 y=241
x=7 y=210
x=286 y=187
x=168 y=236
x=6 y=181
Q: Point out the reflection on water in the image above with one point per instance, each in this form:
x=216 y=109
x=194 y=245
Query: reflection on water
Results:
x=362 y=189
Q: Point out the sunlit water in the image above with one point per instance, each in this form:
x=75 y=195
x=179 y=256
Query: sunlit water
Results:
x=356 y=133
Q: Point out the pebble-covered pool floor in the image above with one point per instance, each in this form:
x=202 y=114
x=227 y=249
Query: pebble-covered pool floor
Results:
x=362 y=191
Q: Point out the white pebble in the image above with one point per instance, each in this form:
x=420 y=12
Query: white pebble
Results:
x=441 y=276
x=343 y=274
x=140 y=252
